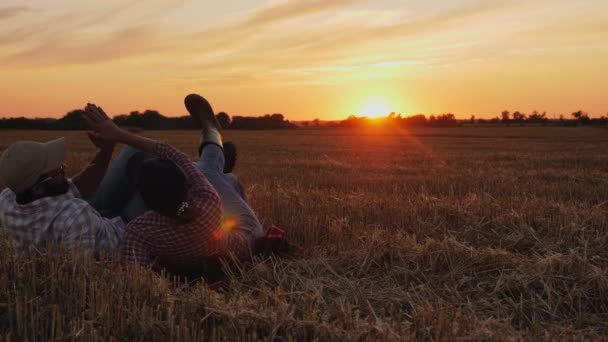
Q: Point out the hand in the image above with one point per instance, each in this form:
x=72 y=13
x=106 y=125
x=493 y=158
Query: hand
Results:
x=100 y=142
x=105 y=129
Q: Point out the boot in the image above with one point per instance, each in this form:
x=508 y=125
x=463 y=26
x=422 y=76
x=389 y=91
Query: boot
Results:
x=201 y=111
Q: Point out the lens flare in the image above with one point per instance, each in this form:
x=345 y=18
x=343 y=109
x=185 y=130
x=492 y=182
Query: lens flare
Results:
x=228 y=224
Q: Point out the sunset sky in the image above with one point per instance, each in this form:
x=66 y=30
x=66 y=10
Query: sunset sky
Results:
x=306 y=59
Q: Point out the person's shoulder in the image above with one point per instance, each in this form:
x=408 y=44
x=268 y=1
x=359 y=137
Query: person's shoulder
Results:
x=6 y=198
x=69 y=202
x=73 y=189
x=7 y=194
x=75 y=209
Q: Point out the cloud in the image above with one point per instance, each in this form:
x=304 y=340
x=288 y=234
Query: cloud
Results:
x=59 y=39
x=118 y=44
x=81 y=36
x=325 y=46
x=278 y=37
x=30 y=31
x=584 y=27
x=289 y=10
x=12 y=11
x=401 y=30
x=253 y=22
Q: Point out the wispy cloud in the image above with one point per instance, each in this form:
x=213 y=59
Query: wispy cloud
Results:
x=269 y=39
x=45 y=25
x=11 y=11
x=122 y=43
x=290 y=10
x=584 y=28
x=329 y=47
x=83 y=37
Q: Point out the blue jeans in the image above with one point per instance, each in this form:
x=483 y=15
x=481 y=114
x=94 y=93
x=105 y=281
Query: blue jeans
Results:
x=236 y=209
x=117 y=196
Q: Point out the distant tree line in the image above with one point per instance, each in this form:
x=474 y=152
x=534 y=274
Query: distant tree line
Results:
x=148 y=120
x=418 y=120
x=153 y=120
x=578 y=118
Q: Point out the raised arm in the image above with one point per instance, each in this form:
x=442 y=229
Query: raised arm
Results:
x=89 y=178
x=108 y=130
x=200 y=188
x=99 y=121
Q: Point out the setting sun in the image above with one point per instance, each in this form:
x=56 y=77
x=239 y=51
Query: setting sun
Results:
x=375 y=109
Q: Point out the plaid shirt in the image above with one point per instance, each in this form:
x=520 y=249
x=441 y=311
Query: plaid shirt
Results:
x=164 y=242
x=64 y=220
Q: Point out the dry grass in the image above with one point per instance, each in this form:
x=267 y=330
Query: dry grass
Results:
x=432 y=234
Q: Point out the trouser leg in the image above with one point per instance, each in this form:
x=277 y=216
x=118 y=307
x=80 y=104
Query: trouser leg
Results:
x=116 y=194
x=211 y=164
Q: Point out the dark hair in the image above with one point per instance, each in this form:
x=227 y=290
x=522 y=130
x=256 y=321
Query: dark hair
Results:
x=162 y=185
x=229 y=156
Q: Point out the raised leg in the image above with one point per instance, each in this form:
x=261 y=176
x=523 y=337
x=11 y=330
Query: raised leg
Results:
x=236 y=210
x=116 y=194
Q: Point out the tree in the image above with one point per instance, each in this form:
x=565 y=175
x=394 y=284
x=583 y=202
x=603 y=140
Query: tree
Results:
x=275 y=121
x=223 y=119
x=277 y=117
x=73 y=120
x=505 y=116
x=581 y=117
x=537 y=117
x=415 y=120
x=518 y=116
x=447 y=119
x=579 y=114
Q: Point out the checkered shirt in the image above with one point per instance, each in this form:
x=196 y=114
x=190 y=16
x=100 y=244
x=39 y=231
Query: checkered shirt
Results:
x=64 y=220
x=164 y=242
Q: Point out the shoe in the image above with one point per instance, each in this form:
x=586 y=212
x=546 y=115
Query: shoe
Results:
x=201 y=111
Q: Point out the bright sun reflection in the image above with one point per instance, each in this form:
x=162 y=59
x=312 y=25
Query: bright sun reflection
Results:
x=375 y=109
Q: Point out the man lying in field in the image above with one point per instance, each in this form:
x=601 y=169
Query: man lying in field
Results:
x=184 y=226
x=41 y=205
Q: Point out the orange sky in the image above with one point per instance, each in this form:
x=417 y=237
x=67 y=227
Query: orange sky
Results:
x=305 y=59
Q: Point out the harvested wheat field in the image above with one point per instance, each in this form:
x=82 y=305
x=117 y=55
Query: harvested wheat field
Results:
x=474 y=233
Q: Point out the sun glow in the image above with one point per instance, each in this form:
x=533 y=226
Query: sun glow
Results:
x=375 y=109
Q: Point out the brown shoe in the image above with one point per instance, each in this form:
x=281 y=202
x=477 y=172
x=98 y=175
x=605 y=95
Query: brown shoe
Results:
x=201 y=111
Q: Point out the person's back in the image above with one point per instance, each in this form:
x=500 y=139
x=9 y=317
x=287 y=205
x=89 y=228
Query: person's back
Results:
x=62 y=220
x=180 y=251
x=41 y=205
x=180 y=231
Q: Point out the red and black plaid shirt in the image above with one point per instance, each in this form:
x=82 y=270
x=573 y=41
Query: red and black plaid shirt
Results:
x=163 y=242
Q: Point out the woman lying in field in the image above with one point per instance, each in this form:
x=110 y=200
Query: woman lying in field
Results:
x=195 y=213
